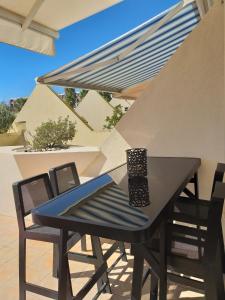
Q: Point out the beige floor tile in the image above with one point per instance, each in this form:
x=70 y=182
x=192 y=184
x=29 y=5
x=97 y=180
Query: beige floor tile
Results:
x=39 y=269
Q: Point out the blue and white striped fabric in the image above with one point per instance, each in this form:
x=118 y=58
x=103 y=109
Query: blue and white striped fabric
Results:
x=143 y=63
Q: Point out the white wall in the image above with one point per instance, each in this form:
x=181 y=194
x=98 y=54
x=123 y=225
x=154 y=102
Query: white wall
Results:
x=126 y=104
x=94 y=108
x=43 y=105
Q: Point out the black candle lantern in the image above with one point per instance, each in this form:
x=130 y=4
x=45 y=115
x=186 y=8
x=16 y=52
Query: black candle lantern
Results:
x=138 y=191
x=137 y=162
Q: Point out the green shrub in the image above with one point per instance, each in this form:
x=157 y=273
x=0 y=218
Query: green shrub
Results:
x=17 y=105
x=114 y=119
x=54 y=134
x=6 y=118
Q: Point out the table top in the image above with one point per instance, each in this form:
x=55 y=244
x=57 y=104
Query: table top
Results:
x=106 y=206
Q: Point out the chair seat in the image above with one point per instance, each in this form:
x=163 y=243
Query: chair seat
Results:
x=48 y=234
x=190 y=210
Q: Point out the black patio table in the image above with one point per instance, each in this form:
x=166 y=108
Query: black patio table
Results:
x=105 y=207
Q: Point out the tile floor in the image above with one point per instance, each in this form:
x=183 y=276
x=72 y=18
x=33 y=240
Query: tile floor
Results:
x=39 y=262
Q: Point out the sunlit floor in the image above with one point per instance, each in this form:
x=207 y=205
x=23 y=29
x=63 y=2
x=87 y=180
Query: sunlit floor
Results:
x=39 y=263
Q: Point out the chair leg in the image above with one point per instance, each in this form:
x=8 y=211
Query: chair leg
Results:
x=22 y=268
x=214 y=285
x=219 y=271
x=69 y=283
x=222 y=249
x=97 y=252
x=84 y=243
x=55 y=260
x=163 y=261
x=211 y=286
x=137 y=275
x=196 y=188
x=154 y=287
x=123 y=250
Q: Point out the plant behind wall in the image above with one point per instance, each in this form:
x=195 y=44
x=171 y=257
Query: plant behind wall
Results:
x=54 y=134
x=6 y=118
x=111 y=121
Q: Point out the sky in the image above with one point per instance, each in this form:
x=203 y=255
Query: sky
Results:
x=20 y=67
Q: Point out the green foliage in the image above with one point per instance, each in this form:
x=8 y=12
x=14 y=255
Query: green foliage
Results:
x=54 y=134
x=107 y=96
x=71 y=97
x=114 y=119
x=6 y=118
x=16 y=105
x=83 y=93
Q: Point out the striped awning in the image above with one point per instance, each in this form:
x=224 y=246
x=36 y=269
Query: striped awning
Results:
x=108 y=69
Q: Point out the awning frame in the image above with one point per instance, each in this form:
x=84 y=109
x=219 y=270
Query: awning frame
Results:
x=88 y=67
x=127 y=51
x=20 y=20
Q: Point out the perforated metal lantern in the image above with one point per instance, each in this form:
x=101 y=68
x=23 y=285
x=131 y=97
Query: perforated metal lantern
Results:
x=137 y=162
x=138 y=191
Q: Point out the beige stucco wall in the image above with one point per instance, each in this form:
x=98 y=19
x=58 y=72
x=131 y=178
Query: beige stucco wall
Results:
x=181 y=112
x=19 y=165
x=94 y=108
x=43 y=104
x=11 y=139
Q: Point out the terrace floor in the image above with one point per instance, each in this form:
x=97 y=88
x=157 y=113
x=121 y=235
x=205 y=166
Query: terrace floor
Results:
x=39 y=262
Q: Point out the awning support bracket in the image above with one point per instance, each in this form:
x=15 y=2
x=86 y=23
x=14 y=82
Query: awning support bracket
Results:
x=33 y=11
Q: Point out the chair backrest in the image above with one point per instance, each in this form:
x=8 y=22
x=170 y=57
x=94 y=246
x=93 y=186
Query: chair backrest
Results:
x=64 y=178
x=29 y=193
x=214 y=228
x=218 y=175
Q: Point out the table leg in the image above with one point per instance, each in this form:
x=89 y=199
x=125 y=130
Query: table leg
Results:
x=97 y=251
x=154 y=287
x=163 y=262
x=63 y=266
x=137 y=274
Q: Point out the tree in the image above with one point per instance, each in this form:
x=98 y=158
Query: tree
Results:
x=114 y=119
x=16 y=105
x=107 y=96
x=71 y=97
x=54 y=134
x=6 y=118
x=83 y=93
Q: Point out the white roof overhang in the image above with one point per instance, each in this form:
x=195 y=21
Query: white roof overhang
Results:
x=34 y=24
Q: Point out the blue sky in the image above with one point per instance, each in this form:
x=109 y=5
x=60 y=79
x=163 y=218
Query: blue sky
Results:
x=19 y=67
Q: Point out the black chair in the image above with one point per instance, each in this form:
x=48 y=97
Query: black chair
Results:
x=64 y=178
x=190 y=210
x=183 y=206
x=195 y=193
x=28 y=194
x=184 y=261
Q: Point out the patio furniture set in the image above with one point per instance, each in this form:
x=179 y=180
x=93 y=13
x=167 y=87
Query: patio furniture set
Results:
x=177 y=234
